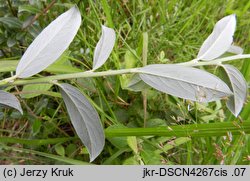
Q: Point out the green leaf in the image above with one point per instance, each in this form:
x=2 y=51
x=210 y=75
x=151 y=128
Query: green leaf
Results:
x=8 y=66
x=57 y=68
x=131 y=161
x=12 y=22
x=60 y=149
x=36 y=127
x=155 y=122
x=130 y=60
x=28 y=8
x=70 y=150
x=11 y=42
x=132 y=143
x=151 y=158
x=175 y=143
x=34 y=90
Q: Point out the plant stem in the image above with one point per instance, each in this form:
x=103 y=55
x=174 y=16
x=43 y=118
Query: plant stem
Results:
x=37 y=142
x=52 y=79
x=144 y=63
x=194 y=130
x=38 y=15
x=11 y=8
x=194 y=62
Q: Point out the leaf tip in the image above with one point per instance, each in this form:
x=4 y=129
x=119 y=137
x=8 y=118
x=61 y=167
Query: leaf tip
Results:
x=93 y=156
x=104 y=47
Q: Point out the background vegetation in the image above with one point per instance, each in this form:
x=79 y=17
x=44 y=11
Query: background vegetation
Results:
x=176 y=29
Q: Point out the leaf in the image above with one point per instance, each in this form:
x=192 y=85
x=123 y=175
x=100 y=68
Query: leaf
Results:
x=239 y=88
x=36 y=126
x=60 y=149
x=132 y=143
x=130 y=59
x=131 y=161
x=11 y=22
x=10 y=100
x=49 y=44
x=34 y=90
x=8 y=66
x=85 y=119
x=28 y=8
x=11 y=42
x=235 y=50
x=104 y=47
x=185 y=82
x=219 y=40
x=62 y=69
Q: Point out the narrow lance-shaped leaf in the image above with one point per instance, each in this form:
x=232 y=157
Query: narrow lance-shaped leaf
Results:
x=10 y=100
x=34 y=90
x=12 y=22
x=219 y=40
x=185 y=82
x=104 y=47
x=49 y=44
x=85 y=119
x=239 y=88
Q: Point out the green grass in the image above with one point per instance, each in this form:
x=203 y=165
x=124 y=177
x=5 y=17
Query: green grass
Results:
x=176 y=29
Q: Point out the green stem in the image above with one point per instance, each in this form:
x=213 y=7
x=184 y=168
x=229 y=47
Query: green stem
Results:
x=144 y=63
x=37 y=142
x=195 y=130
x=47 y=155
x=106 y=9
x=11 y=8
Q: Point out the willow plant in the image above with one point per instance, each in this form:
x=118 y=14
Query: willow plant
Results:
x=181 y=80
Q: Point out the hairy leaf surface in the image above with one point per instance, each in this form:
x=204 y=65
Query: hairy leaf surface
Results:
x=104 y=47
x=239 y=88
x=10 y=100
x=85 y=119
x=185 y=82
x=50 y=43
x=219 y=40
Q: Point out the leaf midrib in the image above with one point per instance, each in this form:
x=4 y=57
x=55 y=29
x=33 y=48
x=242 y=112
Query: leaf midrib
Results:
x=45 y=44
x=213 y=44
x=143 y=72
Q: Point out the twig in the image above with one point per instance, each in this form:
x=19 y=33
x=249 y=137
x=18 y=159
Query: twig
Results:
x=11 y=8
x=144 y=63
x=39 y=14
